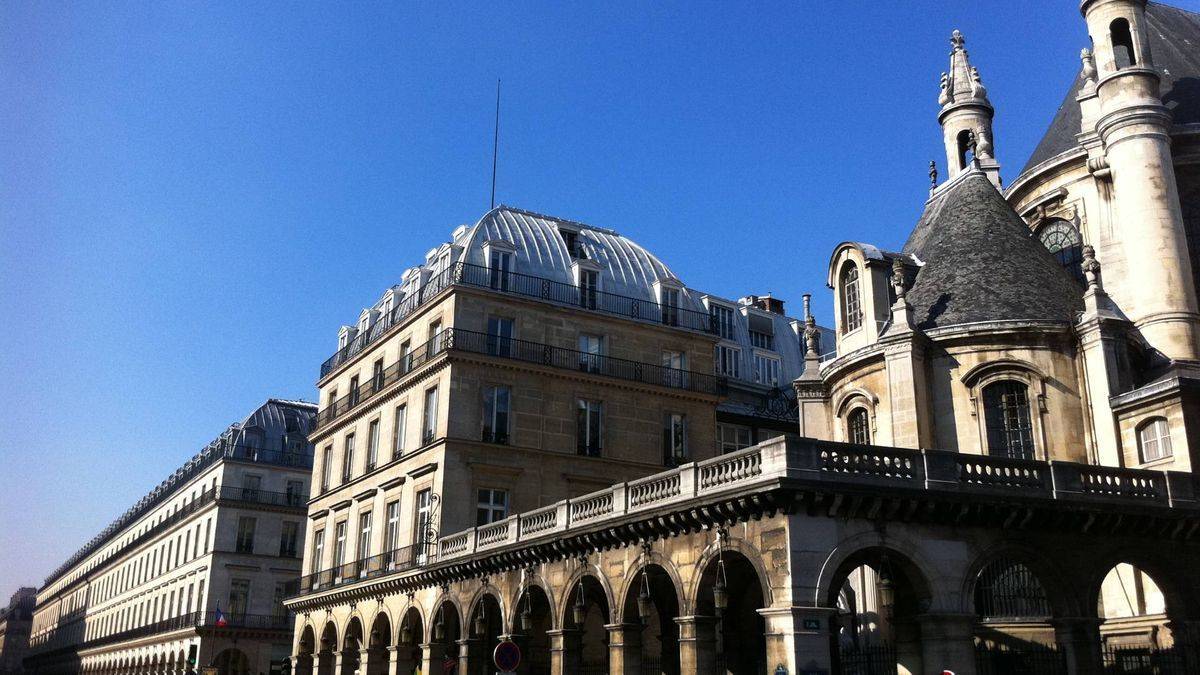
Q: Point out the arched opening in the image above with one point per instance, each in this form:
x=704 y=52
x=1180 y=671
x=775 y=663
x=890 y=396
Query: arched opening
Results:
x=532 y=628
x=851 y=298
x=731 y=591
x=652 y=601
x=232 y=661
x=1013 y=633
x=443 y=649
x=1062 y=240
x=879 y=594
x=1124 y=55
x=352 y=645
x=486 y=625
x=966 y=148
x=408 y=644
x=1007 y=419
x=379 y=639
x=1134 y=633
x=328 y=646
x=181 y=660
x=587 y=614
x=305 y=651
x=858 y=426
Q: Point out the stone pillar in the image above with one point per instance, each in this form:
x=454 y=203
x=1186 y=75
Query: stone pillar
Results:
x=624 y=648
x=464 y=655
x=395 y=665
x=326 y=663
x=948 y=643
x=339 y=662
x=301 y=665
x=799 y=638
x=1185 y=639
x=697 y=644
x=566 y=651
x=368 y=659
x=1080 y=642
x=432 y=655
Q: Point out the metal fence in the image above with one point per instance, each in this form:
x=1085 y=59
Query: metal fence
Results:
x=1027 y=660
x=876 y=659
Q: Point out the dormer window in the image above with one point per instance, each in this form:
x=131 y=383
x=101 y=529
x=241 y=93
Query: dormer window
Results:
x=670 y=306
x=851 y=302
x=722 y=320
x=573 y=243
x=589 y=288
x=499 y=268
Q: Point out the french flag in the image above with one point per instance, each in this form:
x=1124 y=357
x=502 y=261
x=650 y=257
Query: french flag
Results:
x=221 y=622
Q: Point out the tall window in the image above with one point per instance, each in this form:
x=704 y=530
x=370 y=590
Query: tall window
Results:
x=589 y=288
x=435 y=338
x=295 y=497
x=406 y=356
x=722 y=320
x=318 y=550
x=287 y=539
x=499 y=266
x=326 y=467
x=762 y=340
x=372 y=444
x=348 y=458
x=339 y=544
x=851 y=303
x=277 y=607
x=858 y=426
x=674 y=366
x=492 y=506
x=377 y=375
x=364 y=536
x=571 y=239
x=1006 y=414
x=727 y=360
x=250 y=487
x=591 y=352
x=670 y=306
x=424 y=520
x=675 y=450
x=239 y=597
x=766 y=369
x=1154 y=439
x=429 y=424
x=391 y=540
x=398 y=428
x=499 y=337
x=354 y=391
x=245 y=534
x=495 y=414
x=1122 y=44
x=1062 y=240
x=733 y=437
x=589 y=417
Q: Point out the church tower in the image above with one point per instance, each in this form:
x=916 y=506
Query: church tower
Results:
x=1133 y=125
x=966 y=115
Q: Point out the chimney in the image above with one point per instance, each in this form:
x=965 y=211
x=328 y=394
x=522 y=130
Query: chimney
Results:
x=768 y=303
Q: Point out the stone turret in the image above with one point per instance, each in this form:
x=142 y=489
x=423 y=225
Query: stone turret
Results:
x=966 y=115
x=1133 y=125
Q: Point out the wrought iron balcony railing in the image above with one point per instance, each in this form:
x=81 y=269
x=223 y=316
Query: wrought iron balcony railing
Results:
x=66 y=637
x=391 y=562
x=526 y=286
x=264 y=497
x=473 y=342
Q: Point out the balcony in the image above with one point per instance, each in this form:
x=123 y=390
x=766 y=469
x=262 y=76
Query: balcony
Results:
x=525 y=286
x=256 y=496
x=473 y=342
x=392 y=562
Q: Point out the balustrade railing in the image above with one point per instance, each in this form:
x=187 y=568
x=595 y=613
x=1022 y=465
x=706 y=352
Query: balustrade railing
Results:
x=474 y=342
x=527 y=286
x=805 y=462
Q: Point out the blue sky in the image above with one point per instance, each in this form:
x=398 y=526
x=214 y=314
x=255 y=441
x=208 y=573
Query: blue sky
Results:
x=194 y=196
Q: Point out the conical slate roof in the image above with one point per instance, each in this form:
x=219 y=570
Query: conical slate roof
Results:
x=981 y=264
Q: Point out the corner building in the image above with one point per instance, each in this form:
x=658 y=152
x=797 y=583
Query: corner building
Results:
x=990 y=469
x=193 y=575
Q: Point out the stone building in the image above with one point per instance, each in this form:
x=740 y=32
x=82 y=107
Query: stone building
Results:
x=992 y=471
x=15 y=620
x=195 y=573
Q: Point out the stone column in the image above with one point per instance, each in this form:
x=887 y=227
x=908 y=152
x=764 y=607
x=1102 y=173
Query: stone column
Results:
x=624 y=648
x=948 y=643
x=464 y=655
x=432 y=654
x=301 y=665
x=339 y=662
x=1185 y=639
x=1080 y=642
x=697 y=644
x=566 y=651
x=799 y=638
x=367 y=659
x=394 y=665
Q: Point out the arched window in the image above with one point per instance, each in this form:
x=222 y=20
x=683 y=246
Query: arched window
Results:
x=1063 y=241
x=1006 y=415
x=1122 y=44
x=966 y=148
x=1009 y=590
x=851 y=303
x=1154 y=439
x=858 y=426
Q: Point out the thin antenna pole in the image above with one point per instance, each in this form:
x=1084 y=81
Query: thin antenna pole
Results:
x=495 y=145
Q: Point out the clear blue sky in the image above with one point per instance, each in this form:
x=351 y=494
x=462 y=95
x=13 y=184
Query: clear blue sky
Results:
x=194 y=196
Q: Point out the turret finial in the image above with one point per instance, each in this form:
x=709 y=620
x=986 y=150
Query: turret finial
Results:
x=1091 y=268
x=957 y=39
x=933 y=174
x=812 y=335
x=898 y=280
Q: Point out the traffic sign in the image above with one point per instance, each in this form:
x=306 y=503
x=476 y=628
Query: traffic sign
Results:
x=507 y=656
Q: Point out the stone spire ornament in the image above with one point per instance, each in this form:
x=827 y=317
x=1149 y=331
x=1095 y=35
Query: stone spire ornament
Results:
x=1091 y=268
x=966 y=116
x=944 y=96
x=1089 y=66
x=812 y=335
x=933 y=175
x=810 y=379
x=898 y=280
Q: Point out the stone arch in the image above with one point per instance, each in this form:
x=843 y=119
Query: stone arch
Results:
x=388 y=638
x=326 y=646
x=306 y=642
x=632 y=577
x=439 y=606
x=354 y=621
x=653 y=633
x=588 y=570
x=353 y=639
x=709 y=555
x=232 y=661
x=411 y=611
x=378 y=640
x=533 y=620
x=480 y=595
x=1167 y=574
x=532 y=581
x=1061 y=593
x=902 y=547
x=587 y=606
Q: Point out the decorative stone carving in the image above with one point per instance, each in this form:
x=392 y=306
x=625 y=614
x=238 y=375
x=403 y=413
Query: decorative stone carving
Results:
x=898 y=281
x=945 y=97
x=933 y=174
x=1089 y=66
x=984 y=144
x=1091 y=268
x=812 y=335
x=977 y=89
